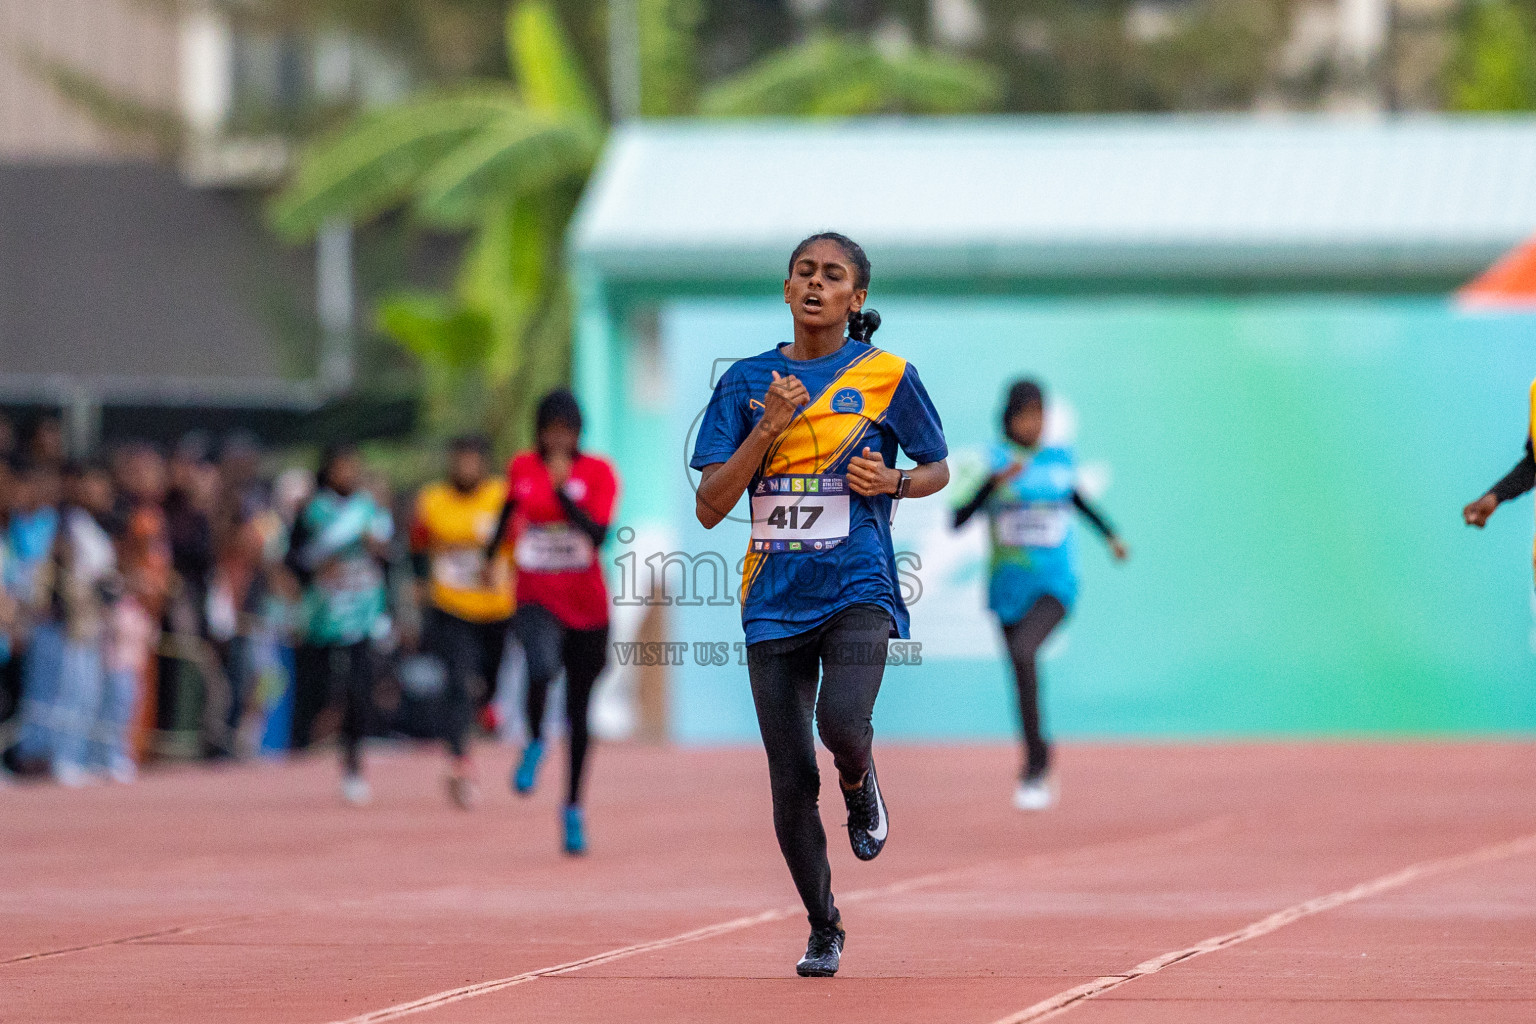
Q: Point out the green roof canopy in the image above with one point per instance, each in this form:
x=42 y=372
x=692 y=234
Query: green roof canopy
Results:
x=1080 y=199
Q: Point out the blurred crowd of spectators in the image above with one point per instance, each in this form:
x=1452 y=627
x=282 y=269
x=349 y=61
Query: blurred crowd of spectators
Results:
x=168 y=593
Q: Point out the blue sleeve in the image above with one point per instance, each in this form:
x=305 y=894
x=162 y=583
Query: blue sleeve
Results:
x=726 y=423
x=915 y=421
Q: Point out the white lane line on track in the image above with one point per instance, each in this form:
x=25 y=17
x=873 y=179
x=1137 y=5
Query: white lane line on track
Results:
x=124 y=940
x=1064 y=1001
x=1182 y=835
x=485 y=988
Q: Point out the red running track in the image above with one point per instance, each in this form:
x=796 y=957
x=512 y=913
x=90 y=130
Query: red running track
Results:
x=1305 y=882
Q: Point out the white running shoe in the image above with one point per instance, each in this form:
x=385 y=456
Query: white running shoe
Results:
x=1036 y=794
x=123 y=771
x=71 y=775
x=356 y=791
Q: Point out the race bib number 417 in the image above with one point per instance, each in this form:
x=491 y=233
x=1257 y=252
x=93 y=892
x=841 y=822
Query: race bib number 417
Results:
x=798 y=513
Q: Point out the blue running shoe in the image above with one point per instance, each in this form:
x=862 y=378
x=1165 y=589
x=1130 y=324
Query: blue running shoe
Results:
x=528 y=769
x=575 y=831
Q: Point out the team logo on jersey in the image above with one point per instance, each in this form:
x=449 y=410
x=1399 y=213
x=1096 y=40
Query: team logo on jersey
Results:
x=848 y=400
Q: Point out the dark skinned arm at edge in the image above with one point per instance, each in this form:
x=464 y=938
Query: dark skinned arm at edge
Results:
x=1518 y=480
x=970 y=508
x=500 y=533
x=583 y=522
x=1092 y=515
x=721 y=484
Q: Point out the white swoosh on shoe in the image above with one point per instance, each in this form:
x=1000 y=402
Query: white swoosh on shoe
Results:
x=881 y=824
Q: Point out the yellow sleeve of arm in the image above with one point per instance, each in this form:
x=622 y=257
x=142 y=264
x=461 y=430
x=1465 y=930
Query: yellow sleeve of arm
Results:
x=1531 y=430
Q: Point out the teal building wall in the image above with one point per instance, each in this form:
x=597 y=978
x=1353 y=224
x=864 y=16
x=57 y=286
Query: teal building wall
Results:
x=1288 y=470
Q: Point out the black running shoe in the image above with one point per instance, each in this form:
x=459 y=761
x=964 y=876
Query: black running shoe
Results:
x=823 y=952
x=867 y=821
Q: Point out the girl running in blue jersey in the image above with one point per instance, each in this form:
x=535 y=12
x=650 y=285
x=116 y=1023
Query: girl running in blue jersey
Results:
x=1028 y=496
x=810 y=431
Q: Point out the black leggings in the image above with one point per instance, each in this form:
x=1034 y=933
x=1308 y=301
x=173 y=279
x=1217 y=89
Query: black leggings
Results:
x=1024 y=639
x=468 y=651
x=849 y=652
x=335 y=673
x=547 y=644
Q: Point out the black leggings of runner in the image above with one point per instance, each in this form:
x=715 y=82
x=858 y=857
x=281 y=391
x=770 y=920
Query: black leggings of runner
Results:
x=309 y=683
x=547 y=644
x=335 y=673
x=353 y=665
x=1024 y=639
x=468 y=651
x=848 y=653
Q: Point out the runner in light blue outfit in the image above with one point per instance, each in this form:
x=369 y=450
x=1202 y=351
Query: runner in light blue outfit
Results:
x=1030 y=511
x=1029 y=496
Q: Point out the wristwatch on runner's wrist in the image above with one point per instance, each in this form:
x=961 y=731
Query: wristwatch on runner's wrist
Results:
x=903 y=485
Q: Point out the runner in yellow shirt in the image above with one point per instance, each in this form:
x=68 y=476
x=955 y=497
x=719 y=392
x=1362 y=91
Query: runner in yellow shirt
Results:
x=467 y=602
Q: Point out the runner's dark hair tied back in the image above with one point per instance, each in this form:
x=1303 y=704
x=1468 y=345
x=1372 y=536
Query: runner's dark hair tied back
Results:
x=853 y=250
x=863 y=324
x=1021 y=395
x=557 y=406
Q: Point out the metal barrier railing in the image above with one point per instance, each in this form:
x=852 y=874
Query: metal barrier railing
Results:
x=205 y=691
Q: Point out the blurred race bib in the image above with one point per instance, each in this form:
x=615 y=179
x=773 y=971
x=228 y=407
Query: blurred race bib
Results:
x=458 y=568
x=350 y=577
x=1031 y=526
x=555 y=547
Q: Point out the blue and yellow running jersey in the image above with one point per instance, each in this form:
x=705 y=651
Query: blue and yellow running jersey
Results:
x=1031 y=530
x=817 y=547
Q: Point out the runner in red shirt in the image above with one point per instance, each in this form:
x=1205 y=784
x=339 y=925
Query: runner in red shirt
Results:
x=560 y=502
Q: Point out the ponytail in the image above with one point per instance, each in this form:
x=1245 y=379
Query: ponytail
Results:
x=863 y=324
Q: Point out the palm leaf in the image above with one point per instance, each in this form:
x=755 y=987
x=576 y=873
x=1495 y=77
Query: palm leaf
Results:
x=108 y=107
x=545 y=64
x=783 y=83
x=376 y=162
x=828 y=76
x=922 y=82
x=436 y=328
x=512 y=156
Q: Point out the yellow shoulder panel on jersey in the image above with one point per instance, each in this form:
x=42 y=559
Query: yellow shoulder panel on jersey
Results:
x=819 y=435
